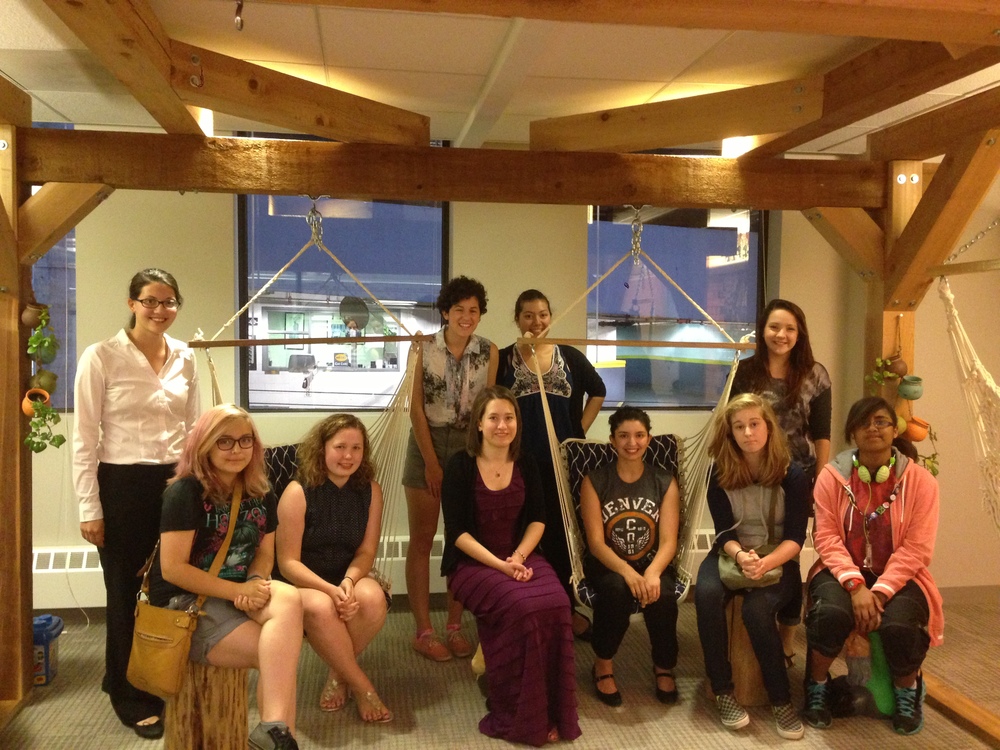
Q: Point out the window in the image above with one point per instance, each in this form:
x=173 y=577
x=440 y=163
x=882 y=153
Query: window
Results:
x=715 y=257
x=395 y=249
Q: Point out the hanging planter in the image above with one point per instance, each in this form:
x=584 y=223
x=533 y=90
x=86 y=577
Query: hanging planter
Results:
x=916 y=429
x=910 y=387
x=33 y=396
x=897 y=366
x=31 y=316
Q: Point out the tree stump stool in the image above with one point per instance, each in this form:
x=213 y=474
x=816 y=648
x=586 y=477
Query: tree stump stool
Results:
x=748 y=682
x=210 y=712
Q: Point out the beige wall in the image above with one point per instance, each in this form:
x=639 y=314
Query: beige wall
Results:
x=512 y=247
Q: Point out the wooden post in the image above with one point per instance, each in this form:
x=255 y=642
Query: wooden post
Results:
x=15 y=471
x=210 y=712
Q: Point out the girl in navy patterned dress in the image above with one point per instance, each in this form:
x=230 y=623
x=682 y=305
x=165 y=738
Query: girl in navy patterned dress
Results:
x=330 y=524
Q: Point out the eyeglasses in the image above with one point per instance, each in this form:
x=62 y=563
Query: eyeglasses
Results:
x=878 y=424
x=151 y=303
x=226 y=443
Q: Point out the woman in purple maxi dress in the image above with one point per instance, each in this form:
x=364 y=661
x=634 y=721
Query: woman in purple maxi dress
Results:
x=494 y=517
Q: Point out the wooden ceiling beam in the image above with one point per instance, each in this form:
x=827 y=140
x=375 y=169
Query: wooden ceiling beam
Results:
x=754 y=110
x=853 y=234
x=931 y=134
x=958 y=21
x=890 y=74
x=345 y=170
x=962 y=181
x=15 y=105
x=128 y=40
x=224 y=84
x=49 y=214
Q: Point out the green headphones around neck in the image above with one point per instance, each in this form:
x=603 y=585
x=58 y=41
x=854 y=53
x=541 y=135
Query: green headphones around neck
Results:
x=880 y=476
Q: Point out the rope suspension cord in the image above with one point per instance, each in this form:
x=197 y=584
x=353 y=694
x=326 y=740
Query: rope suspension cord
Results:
x=315 y=221
x=694 y=464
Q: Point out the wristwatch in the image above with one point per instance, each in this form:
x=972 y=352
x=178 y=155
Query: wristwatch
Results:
x=852 y=584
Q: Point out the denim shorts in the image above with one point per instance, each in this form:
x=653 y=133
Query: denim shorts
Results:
x=220 y=618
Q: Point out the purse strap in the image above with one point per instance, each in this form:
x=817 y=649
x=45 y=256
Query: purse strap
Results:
x=220 y=556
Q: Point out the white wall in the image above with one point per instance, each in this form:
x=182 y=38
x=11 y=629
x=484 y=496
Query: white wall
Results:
x=510 y=248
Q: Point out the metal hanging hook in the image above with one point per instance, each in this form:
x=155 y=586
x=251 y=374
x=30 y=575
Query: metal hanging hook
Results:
x=315 y=219
x=239 y=15
x=636 y=235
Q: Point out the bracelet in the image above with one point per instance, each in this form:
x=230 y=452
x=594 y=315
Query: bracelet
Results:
x=347 y=578
x=736 y=557
x=518 y=552
x=255 y=575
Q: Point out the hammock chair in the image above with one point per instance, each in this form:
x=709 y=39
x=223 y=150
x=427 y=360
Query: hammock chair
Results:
x=387 y=436
x=982 y=400
x=685 y=458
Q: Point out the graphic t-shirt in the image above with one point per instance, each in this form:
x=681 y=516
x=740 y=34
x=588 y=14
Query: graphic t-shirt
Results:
x=630 y=512
x=185 y=509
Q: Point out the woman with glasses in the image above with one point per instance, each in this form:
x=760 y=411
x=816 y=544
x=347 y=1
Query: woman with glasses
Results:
x=136 y=400
x=876 y=522
x=247 y=620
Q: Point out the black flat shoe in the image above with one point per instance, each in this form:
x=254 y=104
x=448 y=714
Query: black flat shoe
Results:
x=152 y=731
x=608 y=699
x=664 y=696
x=588 y=631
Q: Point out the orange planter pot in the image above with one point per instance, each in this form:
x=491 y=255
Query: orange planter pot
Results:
x=916 y=429
x=33 y=394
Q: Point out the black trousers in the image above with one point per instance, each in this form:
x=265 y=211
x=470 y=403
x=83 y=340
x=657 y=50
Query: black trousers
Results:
x=614 y=605
x=131 y=497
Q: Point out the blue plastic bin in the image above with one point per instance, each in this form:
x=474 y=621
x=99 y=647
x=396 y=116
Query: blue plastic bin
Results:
x=46 y=639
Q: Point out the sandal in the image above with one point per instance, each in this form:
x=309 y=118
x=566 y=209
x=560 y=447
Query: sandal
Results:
x=369 y=703
x=553 y=735
x=457 y=643
x=664 y=696
x=334 y=696
x=790 y=660
x=609 y=699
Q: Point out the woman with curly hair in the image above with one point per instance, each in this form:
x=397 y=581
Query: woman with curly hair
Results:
x=247 y=620
x=451 y=370
x=330 y=520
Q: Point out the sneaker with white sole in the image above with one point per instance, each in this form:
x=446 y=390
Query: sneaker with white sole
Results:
x=732 y=714
x=787 y=722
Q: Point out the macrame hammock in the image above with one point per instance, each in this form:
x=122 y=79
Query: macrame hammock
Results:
x=387 y=436
x=982 y=396
x=693 y=462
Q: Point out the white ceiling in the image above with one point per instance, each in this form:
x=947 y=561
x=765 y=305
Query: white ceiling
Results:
x=478 y=79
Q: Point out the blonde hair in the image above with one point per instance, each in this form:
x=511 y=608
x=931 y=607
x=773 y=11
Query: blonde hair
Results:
x=311 y=453
x=731 y=466
x=195 y=462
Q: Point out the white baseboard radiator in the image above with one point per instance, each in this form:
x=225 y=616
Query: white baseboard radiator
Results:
x=71 y=577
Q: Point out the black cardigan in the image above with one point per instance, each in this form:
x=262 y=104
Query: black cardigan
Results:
x=458 y=504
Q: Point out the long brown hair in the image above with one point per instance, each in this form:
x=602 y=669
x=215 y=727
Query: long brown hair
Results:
x=800 y=362
x=311 y=453
x=474 y=438
x=731 y=467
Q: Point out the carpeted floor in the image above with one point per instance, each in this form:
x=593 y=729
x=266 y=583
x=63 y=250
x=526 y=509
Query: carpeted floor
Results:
x=439 y=705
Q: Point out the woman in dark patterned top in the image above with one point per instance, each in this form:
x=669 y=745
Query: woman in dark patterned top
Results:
x=247 y=620
x=331 y=519
x=575 y=393
x=784 y=372
x=631 y=512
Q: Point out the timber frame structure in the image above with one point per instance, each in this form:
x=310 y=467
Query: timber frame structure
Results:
x=893 y=216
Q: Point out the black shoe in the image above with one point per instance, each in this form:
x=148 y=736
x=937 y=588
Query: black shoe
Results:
x=272 y=735
x=664 y=696
x=608 y=699
x=588 y=631
x=816 y=711
x=152 y=731
x=908 y=718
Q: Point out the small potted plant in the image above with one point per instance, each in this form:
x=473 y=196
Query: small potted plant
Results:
x=878 y=377
x=42 y=343
x=40 y=434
